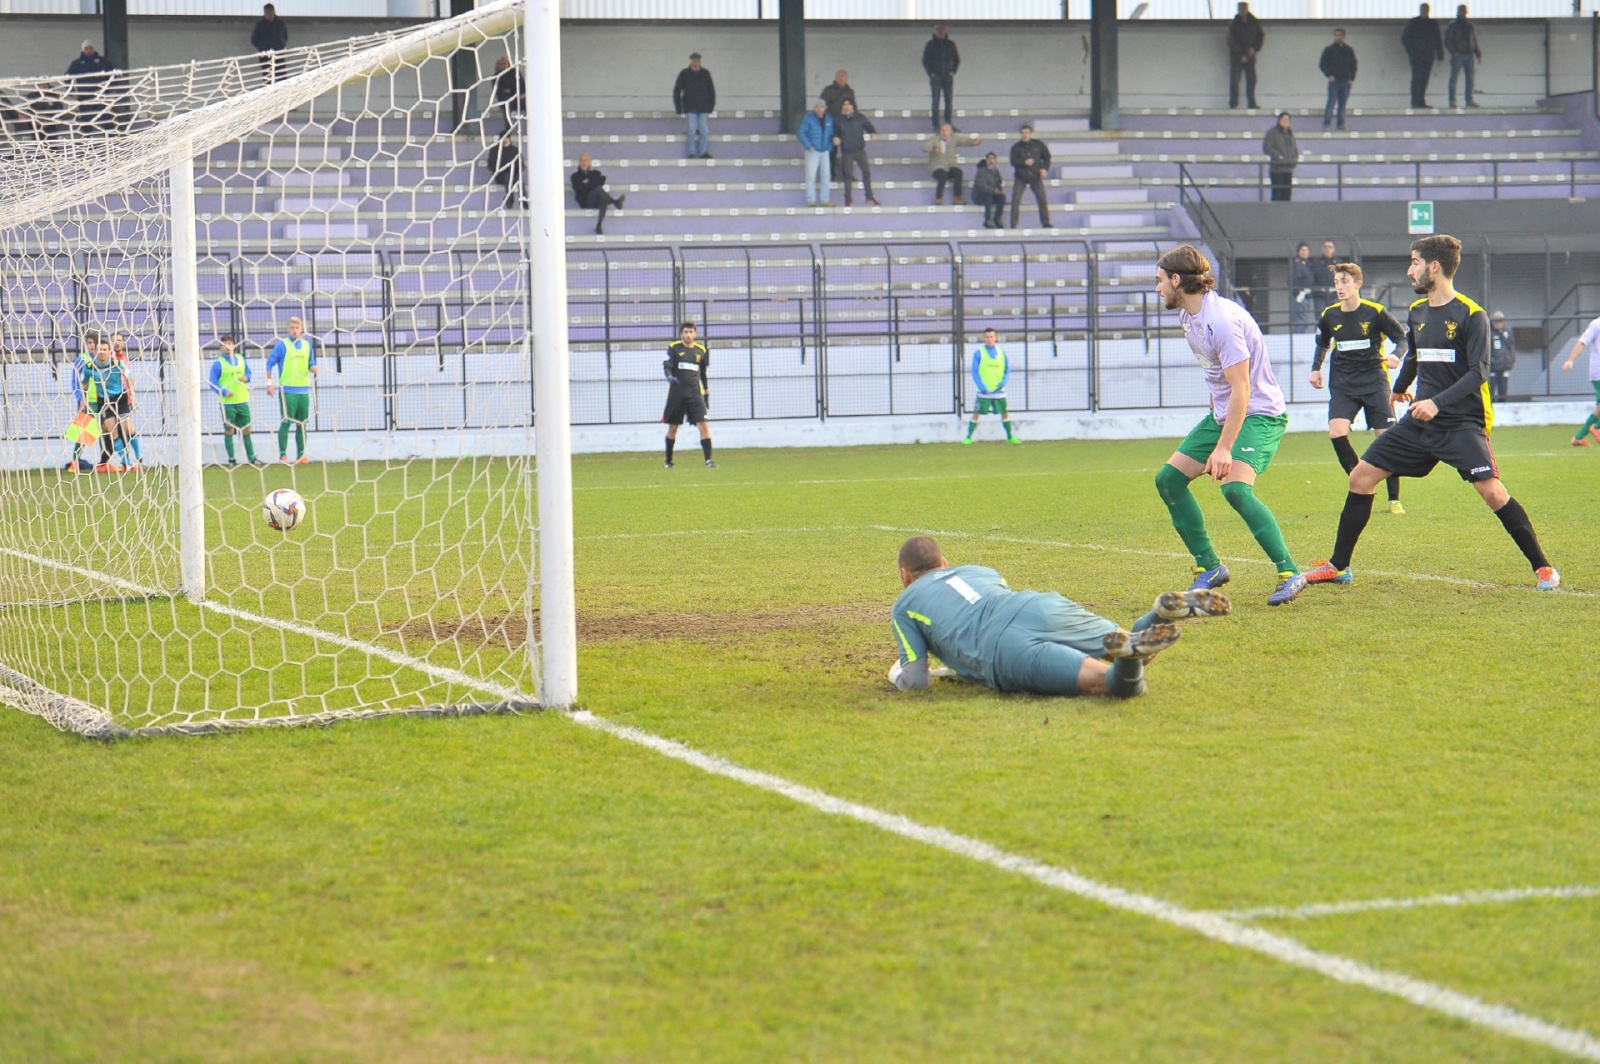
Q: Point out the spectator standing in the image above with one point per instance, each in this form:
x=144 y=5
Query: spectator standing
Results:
x=1424 y=47
x=1325 y=293
x=1502 y=357
x=1461 y=41
x=944 y=163
x=1303 y=303
x=1030 y=162
x=834 y=94
x=1283 y=155
x=589 y=189
x=47 y=112
x=505 y=168
x=509 y=91
x=988 y=190
x=1245 y=38
x=1590 y=338
x=816 y=137
x=850 y=134
x=1338 y=65
x=269 y=38
x=941 y=60
x=90 y=73
x=695 y=95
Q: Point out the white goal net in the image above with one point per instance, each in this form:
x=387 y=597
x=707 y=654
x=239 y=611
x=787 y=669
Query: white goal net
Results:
x=366 y=256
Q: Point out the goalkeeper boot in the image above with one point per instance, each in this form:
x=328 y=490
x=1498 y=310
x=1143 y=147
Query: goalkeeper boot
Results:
x=1288 y=589
x=1179 y=605
x=710 y=464
x=1206 y=579
x=1325 y=573
x=1396 y=508
x=669 y=463
x=1549 y=579
x=1144 y=644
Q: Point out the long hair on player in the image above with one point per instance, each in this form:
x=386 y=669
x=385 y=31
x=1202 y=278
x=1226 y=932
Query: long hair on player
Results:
x=1189 y=269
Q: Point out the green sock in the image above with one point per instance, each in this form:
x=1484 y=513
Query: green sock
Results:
x=1173 y=487
x=1126 y=678
x=972 y=426
x=1009 y=433
x=299 y=441
x=1588 y=423
x=283 y=439
x=249 y=447
x=227 y=441
x=1263 y=526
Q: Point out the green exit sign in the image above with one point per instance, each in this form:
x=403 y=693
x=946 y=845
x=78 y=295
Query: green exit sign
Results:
x=1419 y=216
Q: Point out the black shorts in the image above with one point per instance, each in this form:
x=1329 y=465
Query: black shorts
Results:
x=1412 y=448
x=114 y=407
x=681 y=408
x=1373 y=398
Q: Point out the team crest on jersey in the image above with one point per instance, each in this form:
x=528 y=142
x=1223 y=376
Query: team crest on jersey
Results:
x=1366 y=327
x=1449 y=330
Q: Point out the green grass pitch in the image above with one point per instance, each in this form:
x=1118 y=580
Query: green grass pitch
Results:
x=519 y=888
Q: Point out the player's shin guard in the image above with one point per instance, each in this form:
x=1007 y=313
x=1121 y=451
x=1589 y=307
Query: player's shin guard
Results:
x=1393 y=484
x=1263 y=526
x=1126 y=678
x=1173 y=487
x=671 y=443
x=1010 y=433
x=1515 y=518
x=1352 y=522
x=705 y=447
x=1346 y=452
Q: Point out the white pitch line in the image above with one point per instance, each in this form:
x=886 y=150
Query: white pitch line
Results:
x=1499 y=1018
x=1466 y=897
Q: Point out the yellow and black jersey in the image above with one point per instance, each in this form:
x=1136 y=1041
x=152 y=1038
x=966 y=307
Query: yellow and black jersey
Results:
x=1449 y=360
x=686 y=366
x=1355 y=340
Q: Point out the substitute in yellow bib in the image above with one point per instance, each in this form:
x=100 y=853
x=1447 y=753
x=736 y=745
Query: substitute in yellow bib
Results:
x=230 y=380
x=294 y=360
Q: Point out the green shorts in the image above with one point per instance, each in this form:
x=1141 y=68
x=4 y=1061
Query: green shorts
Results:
x=1258 y=440
x=236 y=415
x=990 y=406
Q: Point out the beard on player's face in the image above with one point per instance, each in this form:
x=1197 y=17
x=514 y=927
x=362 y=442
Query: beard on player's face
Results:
x=1425 y=285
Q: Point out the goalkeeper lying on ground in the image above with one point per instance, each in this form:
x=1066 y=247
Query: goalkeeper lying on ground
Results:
x=970 y=619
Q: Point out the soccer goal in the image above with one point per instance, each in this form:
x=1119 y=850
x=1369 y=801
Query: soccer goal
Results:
x=351 y=223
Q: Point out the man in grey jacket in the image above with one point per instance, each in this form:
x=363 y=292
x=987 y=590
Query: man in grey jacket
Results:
x=944 y=163
x=1283 y=155
x=1030 y=165
x=850 y=134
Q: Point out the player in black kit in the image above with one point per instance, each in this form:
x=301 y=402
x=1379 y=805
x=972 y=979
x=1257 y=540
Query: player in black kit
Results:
x=687 y=394
x=1353 y=329
x=1450 y=420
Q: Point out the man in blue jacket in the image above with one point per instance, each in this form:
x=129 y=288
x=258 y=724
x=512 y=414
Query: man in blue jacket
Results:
x=91 y=72
x=816 y=137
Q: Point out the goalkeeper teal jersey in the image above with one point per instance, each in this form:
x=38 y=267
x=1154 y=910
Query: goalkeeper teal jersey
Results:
x=961 y=614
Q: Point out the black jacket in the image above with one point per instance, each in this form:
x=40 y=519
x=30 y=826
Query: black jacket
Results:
x=1421 y=39
x=851 y=130
x=1023 y=150
x=87 y=66
x=1338 y=62
x=508 y=85
x=1461 y=38
x=584 y=184
x=505 y=163
x=270 y=35
x=939 y=56
x=1244 y=35
x=694 y=94
x=834 y=95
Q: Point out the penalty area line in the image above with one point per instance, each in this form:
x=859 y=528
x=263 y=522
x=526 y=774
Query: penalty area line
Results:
x=1466 y=897
x=1501 y=1019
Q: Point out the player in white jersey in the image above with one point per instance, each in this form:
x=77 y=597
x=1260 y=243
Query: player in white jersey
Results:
x=1589 y=338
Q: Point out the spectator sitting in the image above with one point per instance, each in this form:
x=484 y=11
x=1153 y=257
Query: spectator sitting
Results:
x=269 y=38
x=850 y=137
x=944 y=163
x=816 y=137
x=589 y=189
x=45 y=112
x=988 y=190
x=90 y=72
x=505 y=168
x=509 y=91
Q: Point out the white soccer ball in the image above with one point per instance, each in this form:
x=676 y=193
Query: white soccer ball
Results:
x=284 y=509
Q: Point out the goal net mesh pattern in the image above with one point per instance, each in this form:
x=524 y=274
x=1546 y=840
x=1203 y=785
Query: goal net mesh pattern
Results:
x=337 y=189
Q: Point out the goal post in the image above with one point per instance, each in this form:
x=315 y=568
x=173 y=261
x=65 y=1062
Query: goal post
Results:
x=371 y=262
